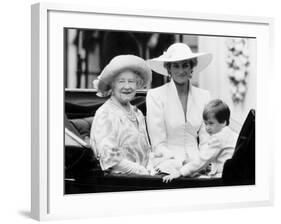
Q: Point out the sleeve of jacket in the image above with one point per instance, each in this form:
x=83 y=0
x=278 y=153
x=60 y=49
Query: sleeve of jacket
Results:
x=156 y=125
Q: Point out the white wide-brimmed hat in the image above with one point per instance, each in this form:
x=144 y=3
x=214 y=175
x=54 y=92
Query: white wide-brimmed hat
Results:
x=117 y=65
x=179 y=52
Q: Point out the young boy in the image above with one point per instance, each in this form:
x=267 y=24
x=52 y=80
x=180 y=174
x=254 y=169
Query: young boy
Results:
x=220 y=145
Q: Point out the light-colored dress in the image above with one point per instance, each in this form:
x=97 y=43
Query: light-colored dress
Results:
x=220 y=148
x=172 y=132
x=122 y=146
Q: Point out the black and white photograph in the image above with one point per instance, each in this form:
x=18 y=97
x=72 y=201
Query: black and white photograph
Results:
x=145 y=112
x=158 y=111
x=140 y=112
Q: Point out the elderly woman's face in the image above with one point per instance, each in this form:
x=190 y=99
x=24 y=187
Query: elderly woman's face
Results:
x=124 y=86
x=180 y=71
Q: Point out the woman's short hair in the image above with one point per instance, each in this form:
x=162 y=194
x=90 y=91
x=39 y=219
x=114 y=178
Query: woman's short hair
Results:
x=218 y=109
x=192 y=62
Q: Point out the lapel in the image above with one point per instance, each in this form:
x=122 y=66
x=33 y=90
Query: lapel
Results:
x=185 y=119
x=174 y=98
x=190 y=101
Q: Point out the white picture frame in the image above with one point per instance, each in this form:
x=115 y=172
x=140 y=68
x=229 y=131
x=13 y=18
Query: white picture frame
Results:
x=48 y=201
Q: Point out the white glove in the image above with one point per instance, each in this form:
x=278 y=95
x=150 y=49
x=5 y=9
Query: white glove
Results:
x=169 y=166
x=127 y=167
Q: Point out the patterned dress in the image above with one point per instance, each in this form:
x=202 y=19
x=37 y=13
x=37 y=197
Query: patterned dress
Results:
x=120 y=143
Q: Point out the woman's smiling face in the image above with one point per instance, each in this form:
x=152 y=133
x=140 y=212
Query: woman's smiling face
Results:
x=124 y=86
x=181 y=71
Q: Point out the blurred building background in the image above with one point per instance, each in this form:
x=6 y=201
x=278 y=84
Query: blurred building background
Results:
x=231 y=76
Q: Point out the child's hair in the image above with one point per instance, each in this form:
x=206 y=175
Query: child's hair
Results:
x=218 y=109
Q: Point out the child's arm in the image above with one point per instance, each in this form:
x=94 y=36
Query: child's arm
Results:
x=206 y=155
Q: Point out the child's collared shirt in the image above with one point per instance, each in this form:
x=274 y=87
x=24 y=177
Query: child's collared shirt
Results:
x=220 y=148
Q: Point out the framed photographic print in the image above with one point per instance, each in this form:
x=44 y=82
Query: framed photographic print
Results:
x=72 y=46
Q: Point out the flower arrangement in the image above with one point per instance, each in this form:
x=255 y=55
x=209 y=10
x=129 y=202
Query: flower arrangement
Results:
x=238 y=67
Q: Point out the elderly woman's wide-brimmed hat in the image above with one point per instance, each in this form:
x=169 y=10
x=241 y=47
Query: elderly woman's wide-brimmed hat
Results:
x=179 y=52
x=117 y=65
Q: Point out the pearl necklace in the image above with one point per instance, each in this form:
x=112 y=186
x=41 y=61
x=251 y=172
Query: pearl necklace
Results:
x=129 y=113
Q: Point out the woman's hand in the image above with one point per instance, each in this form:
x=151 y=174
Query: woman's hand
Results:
x=170 y=177
x=128 y=167
x=142 y=170
x=169 y=166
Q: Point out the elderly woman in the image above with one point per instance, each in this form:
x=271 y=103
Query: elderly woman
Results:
x=174 y=110
x=118 y=133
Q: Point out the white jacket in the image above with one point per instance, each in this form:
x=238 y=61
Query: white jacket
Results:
x=172 y=132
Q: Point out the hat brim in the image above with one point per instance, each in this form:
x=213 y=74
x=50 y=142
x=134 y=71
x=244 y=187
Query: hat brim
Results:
x=157 y=64
x=122 y=63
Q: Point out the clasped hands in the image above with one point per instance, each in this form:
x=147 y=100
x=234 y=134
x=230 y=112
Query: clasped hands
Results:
x=169 y=165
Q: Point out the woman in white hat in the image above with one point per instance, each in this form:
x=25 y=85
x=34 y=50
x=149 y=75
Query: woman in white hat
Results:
x=118 y=133
x=174 y=110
